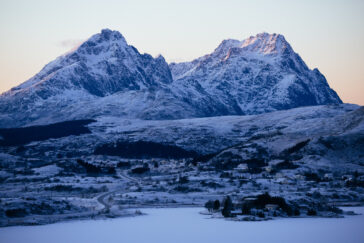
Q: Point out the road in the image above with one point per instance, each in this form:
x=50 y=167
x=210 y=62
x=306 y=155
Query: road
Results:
x=102 y=198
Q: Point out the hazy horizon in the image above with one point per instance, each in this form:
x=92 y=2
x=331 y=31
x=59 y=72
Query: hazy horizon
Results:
x=328 y=35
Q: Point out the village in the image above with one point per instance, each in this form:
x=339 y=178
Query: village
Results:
x=106 y=186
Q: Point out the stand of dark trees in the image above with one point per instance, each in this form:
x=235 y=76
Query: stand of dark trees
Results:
x=24 y=135
x=143 y=149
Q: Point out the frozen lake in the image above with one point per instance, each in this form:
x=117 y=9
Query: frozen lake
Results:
x=187 y=225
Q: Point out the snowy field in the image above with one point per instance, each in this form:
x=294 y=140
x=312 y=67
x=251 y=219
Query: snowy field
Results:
x=187 y=225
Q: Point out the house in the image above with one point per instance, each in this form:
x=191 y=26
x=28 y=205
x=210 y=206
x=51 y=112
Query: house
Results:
x=347 y=177
x=282 y=181
x=328 y=176
x=242 y=168
x=268 y=169
x=299 y=177
x=271 y=207
x=249 y=199
x=235 y=212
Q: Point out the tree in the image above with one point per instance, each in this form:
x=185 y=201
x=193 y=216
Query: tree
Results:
x=228 y=206
x=216 y=205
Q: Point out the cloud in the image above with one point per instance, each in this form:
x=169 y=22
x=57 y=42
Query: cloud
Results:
x=71 y=43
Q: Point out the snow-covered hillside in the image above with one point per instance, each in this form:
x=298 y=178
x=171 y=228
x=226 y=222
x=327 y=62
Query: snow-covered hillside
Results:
x=107 y=77
x=342 y=126
x=313 y=157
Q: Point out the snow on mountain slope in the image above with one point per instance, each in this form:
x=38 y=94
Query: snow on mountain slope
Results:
x=104 y=75
x=256 y=75
x=107 y=77
x=208 y=135
x=334 y=135
x=102 y=65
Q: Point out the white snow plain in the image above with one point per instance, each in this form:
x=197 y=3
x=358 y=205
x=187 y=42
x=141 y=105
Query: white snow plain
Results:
x=187 y=225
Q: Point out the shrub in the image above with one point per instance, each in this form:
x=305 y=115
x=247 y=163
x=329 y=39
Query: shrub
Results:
x=312 y=177
x=140 y=170
x=123 y=164
x=209 y=205
x=296 y=212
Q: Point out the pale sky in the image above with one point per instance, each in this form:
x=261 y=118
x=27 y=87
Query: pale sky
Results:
x=328 y=34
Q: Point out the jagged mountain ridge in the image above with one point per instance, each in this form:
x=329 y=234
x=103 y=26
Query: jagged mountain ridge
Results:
x=259 y=74
x=106 y=76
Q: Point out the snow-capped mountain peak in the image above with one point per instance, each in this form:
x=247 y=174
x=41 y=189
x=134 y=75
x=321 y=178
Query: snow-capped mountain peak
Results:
x=107 y=76
x=108 y=65
x=265 y=43
x=107 y=35
x=106 y=41
x=259 y=74
x=261 y=44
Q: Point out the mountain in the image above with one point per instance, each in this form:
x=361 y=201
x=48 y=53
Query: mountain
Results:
x=106 y=76
x=101 y=76
x=256 y=75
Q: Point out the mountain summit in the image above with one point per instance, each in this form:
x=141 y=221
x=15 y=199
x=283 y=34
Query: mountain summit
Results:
x=102 y=65
x=258 y=74
x=106 y=76
x=262 y=43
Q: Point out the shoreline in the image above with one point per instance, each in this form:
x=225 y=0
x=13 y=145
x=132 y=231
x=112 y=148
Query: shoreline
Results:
x=137 y=211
